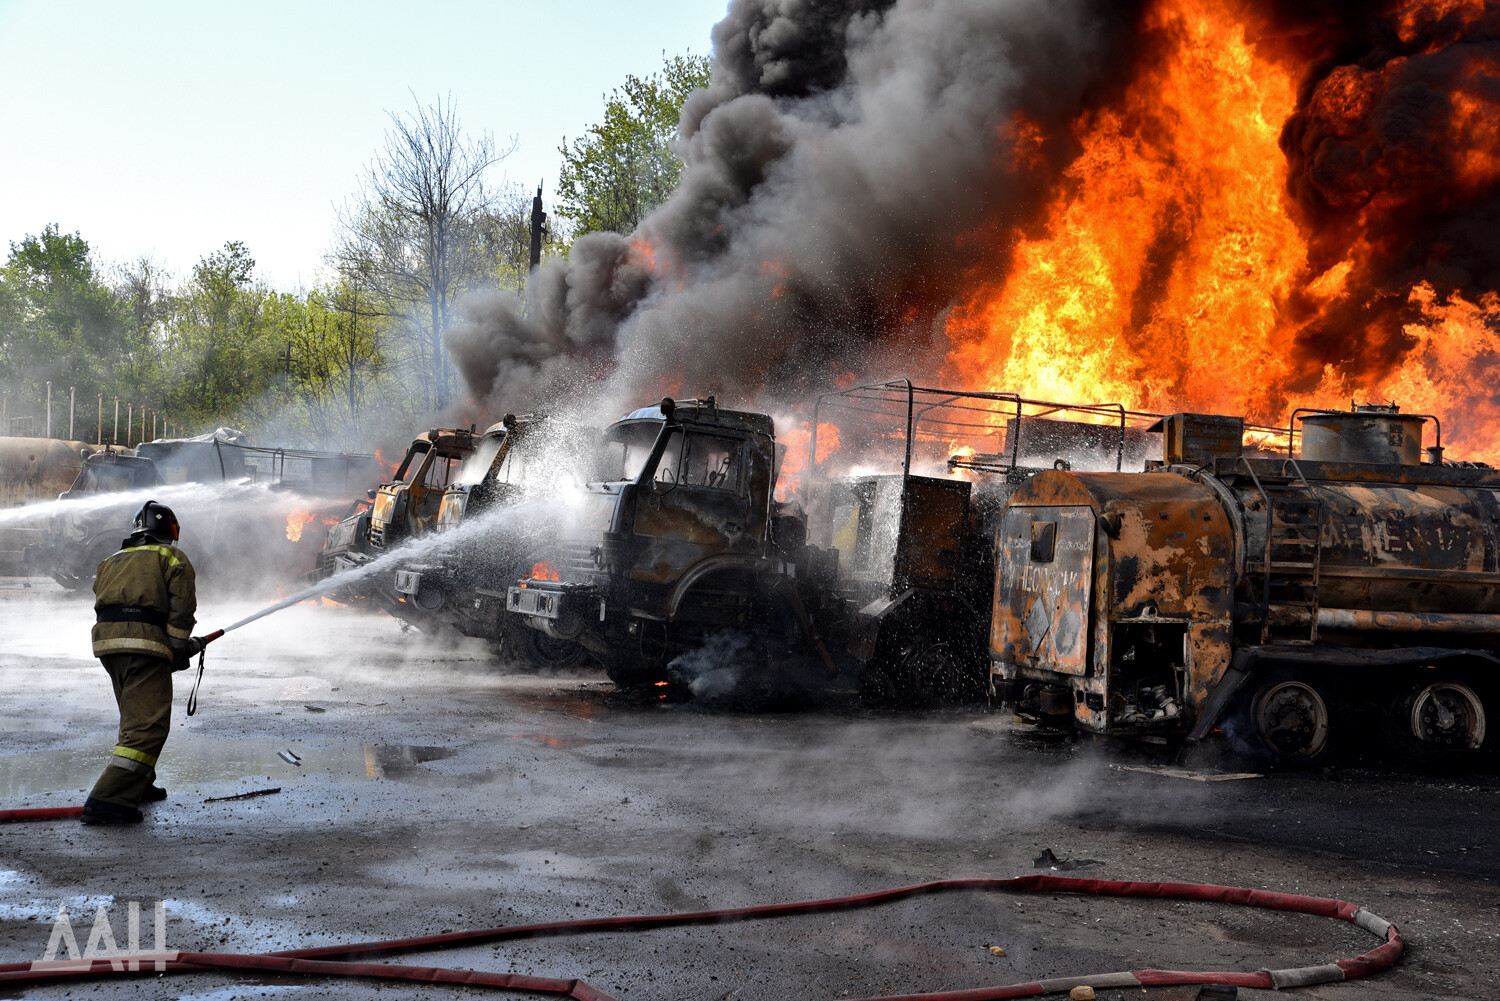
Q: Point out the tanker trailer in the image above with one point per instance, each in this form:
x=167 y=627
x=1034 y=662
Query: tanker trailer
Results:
x=1288 y=602
x=32 y=469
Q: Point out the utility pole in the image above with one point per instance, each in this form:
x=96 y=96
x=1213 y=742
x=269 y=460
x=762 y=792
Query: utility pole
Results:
x=99 y=432
x=5 y=411
x=538 y=227
x=129 y=421
x=117 y=420
x=49 y=410
x=72 y=410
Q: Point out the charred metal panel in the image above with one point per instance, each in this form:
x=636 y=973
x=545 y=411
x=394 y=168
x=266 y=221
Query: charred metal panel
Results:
x=1164 y=558
x=1194 y=439
x=932 y=533
x=1430 y=543
x=1041 y=616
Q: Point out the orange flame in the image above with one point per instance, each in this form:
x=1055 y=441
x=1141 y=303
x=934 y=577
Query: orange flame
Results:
x=387 y=469
x=1161 y=272
x=542 y=570
x=295 y=522
x=798 y=440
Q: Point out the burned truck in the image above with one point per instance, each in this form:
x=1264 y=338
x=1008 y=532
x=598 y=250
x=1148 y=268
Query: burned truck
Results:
x=908 y=491
x=675 y=537
x=1291 y=602
x=680 y=542
x=240 y=505
x=461 y=586
x=405 y=507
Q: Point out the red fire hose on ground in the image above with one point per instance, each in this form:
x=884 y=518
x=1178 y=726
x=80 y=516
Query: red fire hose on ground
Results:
x=337 y=960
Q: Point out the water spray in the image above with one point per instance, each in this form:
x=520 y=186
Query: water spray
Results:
x=533 y=512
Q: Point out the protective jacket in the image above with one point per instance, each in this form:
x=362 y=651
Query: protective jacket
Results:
x=145 y=597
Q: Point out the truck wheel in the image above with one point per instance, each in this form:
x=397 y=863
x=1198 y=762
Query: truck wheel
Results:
x=1443 y=716
x=927 y=672
x=1293 y=721
x=548 y=653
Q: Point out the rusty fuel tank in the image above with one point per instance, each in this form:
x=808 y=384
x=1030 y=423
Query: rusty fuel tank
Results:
x=1371 y=433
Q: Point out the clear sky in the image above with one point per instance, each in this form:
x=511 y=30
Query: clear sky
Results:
x=169 y=128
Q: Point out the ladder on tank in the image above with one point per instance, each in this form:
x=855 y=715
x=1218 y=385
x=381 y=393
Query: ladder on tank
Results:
x=1292 y=557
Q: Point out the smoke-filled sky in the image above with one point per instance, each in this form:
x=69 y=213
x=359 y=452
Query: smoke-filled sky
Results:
x=1236 y=206
x=173 y=127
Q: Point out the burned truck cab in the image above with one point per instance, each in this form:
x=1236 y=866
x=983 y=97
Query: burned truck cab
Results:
x=668 y=540
x=1114 y=600
x=409 y=504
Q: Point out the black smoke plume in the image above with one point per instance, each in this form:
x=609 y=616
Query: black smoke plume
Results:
x=833 y=166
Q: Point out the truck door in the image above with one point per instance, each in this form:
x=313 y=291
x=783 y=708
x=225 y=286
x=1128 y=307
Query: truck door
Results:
x=1044 y=569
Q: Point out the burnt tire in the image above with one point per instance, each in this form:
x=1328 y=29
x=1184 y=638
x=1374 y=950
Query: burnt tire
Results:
x=1437 y=719
x=923 y=671
x=548 y=653
x=1296 y=721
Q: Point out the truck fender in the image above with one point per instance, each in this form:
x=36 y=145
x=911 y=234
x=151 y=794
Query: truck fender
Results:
x=713 y=565
x=869 y=619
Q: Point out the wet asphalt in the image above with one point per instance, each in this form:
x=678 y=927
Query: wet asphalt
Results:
x=429 y=790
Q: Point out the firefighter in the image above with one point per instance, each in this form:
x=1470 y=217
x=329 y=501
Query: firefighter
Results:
x=144 y=602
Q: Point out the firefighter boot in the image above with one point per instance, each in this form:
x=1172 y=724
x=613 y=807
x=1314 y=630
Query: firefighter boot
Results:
x=99 y=812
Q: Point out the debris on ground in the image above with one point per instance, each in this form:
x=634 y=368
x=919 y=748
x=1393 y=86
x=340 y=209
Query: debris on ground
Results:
x=995 y=950
x=243 y=795
x=289 y=758
x=1191 y=774
x=1047 y=860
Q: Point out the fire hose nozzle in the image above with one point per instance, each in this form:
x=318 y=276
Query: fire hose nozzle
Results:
x=212 y=636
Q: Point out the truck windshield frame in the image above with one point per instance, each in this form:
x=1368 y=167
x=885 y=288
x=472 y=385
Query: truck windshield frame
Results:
x=626 y=452
x=477 y=465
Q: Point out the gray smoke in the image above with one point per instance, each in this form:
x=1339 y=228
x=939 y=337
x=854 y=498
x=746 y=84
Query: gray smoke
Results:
x=833 y=167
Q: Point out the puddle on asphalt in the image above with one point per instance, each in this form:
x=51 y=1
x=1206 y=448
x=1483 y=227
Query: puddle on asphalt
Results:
x=191 y=760
x=547 y=740
x=582 y=703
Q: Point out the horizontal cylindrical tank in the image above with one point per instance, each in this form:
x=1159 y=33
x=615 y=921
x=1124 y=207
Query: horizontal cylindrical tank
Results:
x=34 y=469
x=1425 y=540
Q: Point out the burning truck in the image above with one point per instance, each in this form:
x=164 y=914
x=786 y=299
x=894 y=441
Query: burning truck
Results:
x=520 y=460
x=683 y=545
x=405 y=507
x=448 y=477
x=1295 y=602
x=1286 y=600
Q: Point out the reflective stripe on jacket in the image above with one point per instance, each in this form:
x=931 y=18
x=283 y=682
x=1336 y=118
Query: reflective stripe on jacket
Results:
x=146 y=574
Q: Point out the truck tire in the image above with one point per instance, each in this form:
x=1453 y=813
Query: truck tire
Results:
x=533 y=650
x=1296 y=720
x=1437 y=718
x=922 y=670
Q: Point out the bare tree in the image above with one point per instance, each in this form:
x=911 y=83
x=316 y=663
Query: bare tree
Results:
x=418 y=237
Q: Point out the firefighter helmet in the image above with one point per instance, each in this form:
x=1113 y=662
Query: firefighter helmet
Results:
x=157 y=521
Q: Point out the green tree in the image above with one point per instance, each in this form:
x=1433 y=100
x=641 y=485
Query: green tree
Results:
x=59 y=322
x=624 y=167
x=333 y=362
x=223 y=341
